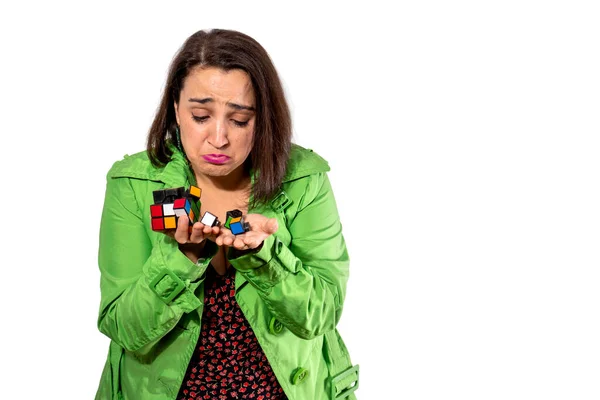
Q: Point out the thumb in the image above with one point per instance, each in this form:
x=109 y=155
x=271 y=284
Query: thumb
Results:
x=271 y=226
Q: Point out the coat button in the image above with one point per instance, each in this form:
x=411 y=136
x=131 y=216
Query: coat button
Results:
x=275 y=327
x=299 y=375
x=278 y=245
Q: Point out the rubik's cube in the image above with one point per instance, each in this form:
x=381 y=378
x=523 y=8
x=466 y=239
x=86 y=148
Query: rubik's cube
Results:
x=234 y=221
x=170 y=204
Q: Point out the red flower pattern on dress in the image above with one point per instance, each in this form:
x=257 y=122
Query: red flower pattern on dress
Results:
x=228 y=362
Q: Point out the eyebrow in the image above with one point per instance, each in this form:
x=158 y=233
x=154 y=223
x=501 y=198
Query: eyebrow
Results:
x=232 y=105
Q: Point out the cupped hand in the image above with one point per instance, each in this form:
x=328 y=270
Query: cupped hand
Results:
x=261 y=227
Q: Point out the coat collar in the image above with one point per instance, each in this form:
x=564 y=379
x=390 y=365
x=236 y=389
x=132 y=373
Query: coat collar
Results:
x=177 y=172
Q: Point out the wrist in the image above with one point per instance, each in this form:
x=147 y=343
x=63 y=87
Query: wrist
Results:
x=193 y=251
x=235 y=253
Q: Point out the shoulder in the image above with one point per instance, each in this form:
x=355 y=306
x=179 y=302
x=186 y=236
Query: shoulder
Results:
x=304 y=162
x=137 y=165
x=306 y=178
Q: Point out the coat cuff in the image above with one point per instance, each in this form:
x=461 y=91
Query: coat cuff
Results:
x=267 y=267
x=175 y=278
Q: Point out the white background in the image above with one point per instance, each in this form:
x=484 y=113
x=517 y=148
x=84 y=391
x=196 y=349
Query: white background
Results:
x=463 y=142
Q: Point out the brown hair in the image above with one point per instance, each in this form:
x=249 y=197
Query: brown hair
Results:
x=228 y=50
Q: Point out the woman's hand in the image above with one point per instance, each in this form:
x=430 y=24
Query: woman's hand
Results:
x=195 y=234
x=191 y=239
x=261 y=228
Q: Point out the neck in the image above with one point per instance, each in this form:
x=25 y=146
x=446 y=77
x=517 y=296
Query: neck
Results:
x=235 y=181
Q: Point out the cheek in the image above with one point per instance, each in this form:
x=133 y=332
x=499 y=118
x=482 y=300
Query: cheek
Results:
x=242 y=146
x=195 y=133
x=243 y=142
x=248 y=142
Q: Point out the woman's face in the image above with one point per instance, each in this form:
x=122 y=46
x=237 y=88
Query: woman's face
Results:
x=216 y=114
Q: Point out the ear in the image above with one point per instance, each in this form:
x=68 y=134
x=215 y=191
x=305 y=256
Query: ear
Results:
x=176 y=108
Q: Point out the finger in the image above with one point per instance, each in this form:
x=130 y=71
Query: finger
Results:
x=251 y=243
x=223 y=234
x=239 y=244
x=207 y=230
x=228 y=240
x=181 y=232
x=197 y=234
x=225 y=238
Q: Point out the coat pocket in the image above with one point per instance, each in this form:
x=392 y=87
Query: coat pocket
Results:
x=343 y=376
x=110 y=381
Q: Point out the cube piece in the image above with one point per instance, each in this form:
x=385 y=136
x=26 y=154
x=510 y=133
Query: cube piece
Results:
x=210 y=219
x=182 y=207
x=174 y=193
x=237 y=228
x=156 y=210
x=195 y=191
x=195 y=206
x=231 y=217
x=159 y=196
x=170 y=222
x=233 y=213
x=158 y=224
x=180 y=203
x=168 y=209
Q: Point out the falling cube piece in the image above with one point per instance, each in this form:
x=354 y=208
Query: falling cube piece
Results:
x=210 y=219
x=195 y=191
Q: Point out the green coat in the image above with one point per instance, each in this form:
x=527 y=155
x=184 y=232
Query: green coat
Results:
x=152 y=294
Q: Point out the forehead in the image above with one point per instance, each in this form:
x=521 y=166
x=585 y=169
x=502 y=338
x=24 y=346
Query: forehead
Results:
x=218 y=84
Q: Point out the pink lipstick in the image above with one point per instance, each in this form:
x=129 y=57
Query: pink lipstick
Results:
x=216 y=158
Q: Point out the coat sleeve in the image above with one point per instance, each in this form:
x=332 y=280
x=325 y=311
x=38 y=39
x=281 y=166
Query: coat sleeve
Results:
x=304 y=284
x=145 y=287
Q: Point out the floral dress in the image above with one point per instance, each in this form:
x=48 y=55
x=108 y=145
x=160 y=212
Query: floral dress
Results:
x=228 y=362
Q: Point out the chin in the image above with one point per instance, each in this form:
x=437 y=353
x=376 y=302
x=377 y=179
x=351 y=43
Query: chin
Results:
x=216 y=170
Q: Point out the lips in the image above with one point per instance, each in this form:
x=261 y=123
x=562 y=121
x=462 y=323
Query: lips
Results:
x=216 y=158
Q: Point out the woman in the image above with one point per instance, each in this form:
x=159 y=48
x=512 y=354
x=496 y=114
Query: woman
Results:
x=199 y=312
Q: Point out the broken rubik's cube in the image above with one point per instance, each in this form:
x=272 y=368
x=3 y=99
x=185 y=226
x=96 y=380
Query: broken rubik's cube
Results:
x=235 y=222
x=169 y=204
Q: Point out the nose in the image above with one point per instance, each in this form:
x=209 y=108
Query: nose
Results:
x=219 y=135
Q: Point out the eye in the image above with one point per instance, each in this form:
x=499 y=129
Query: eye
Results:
x=199 y=119
x=241 y=124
